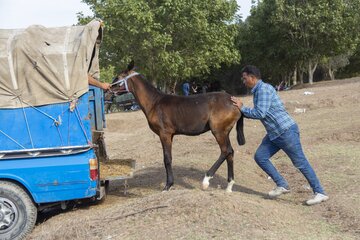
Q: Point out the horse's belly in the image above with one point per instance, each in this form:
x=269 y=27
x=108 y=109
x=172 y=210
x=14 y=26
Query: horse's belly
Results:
x=192 y=129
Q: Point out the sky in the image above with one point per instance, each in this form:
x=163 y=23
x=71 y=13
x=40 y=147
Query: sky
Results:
x=245 y=6
x=56 y=13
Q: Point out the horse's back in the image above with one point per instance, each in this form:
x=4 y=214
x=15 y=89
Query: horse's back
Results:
x=192 y=115
x=186 y=114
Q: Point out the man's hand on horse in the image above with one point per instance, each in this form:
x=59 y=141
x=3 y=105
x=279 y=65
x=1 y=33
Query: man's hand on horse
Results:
x=237 y=102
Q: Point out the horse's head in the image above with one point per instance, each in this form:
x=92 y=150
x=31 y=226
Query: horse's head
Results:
x=120 y=84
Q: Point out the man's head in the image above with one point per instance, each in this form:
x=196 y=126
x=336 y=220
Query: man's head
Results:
x=250 y=75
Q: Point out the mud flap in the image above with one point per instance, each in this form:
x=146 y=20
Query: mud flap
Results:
x=100 y=149
x=103 y=190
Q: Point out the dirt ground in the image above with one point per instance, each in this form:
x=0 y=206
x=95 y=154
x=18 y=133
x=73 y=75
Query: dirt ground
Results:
x=328 y=115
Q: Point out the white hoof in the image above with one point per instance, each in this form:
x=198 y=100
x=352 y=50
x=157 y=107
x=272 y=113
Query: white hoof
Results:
x=229 y=186
x=206 y=182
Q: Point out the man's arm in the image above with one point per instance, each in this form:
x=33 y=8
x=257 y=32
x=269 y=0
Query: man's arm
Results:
x=96 y=83
x=261 y=106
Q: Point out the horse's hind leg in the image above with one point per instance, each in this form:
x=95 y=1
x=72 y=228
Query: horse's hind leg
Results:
x=230 y=165
x=224 y=143
x=210 y=174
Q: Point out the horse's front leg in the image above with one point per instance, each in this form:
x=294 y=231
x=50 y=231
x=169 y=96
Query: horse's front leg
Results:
x=166 y=142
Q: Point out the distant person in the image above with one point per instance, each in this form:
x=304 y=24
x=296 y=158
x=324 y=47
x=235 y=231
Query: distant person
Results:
x=281 y=86
x=194 y=88
x=282 y=133
x=205 y=87
x=186 y=88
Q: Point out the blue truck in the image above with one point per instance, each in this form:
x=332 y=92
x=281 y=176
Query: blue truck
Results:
x=51 y=123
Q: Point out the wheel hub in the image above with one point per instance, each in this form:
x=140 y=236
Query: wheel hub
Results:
x=8 y=215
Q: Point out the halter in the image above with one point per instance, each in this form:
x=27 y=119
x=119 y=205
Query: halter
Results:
x=124 y=81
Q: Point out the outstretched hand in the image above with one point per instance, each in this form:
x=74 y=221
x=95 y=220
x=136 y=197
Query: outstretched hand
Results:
x=237 y=102
x=105 y=86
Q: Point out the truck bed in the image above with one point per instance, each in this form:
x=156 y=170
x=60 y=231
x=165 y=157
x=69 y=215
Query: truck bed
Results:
x=116 y=169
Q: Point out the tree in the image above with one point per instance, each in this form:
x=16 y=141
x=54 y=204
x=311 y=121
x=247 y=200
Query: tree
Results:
x=286 y=37
x=170 y=39
x=318 y=28
x=353 y=69
x=263 y=43
x=333 y=64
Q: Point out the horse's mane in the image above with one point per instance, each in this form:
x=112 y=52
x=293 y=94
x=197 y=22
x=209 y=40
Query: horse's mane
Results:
x=148 y=85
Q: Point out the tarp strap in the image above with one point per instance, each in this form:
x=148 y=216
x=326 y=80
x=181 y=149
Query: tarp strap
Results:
x=56 y=122
x=82 y=125
x=64 y=53
x=10 y=61
x=12 y=139
x=27 y=124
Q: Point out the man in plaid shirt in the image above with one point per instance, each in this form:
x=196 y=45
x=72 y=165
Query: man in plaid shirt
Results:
x=282 y=134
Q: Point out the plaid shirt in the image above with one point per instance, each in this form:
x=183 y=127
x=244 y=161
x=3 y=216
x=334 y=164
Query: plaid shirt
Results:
x=269 y=109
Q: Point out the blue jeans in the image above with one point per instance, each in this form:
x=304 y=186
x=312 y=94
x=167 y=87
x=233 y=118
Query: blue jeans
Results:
x=290 y=143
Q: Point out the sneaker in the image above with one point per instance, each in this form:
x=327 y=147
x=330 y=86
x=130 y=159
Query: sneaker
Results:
x=318 y=198
x=278 y=191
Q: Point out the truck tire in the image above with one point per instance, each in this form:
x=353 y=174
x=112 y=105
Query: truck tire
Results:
x=18 y=212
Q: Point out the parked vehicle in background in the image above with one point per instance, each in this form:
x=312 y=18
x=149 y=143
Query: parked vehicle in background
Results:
x=123 y=102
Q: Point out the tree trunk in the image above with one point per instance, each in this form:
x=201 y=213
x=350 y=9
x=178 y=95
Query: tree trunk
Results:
x=301 y=77
x=331 y=73
x=173 y=88
x=311 y=70
x=294 y=78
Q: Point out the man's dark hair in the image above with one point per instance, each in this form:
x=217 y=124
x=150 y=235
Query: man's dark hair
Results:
x=251 y=70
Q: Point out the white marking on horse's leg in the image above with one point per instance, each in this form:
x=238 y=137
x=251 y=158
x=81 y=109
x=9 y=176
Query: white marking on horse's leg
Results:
x=164 y=190
x=229 y=186
x=206 y=182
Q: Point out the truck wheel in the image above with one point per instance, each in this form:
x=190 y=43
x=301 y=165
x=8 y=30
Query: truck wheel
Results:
x=17 y=212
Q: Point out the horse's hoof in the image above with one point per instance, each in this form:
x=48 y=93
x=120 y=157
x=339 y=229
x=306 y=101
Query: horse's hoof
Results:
x=206 y=182
x=166 y=189
x=229 y=186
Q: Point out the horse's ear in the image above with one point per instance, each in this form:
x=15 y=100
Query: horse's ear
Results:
x=131 y=65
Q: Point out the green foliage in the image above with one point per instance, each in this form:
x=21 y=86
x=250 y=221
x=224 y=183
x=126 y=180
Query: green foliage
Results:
x=353 y=69
x=282 y=35
x=107 y=73
x=169 y=39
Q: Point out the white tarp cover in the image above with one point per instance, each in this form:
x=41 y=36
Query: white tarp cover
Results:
x=40 y=66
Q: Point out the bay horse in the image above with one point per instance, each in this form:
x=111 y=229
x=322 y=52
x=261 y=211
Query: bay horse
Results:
x=170 y=115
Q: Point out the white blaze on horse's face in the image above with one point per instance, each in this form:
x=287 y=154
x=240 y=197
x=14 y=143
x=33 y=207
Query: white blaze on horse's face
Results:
x=206 y=182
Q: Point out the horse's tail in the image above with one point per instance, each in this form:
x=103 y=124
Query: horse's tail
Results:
x=240 y=130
